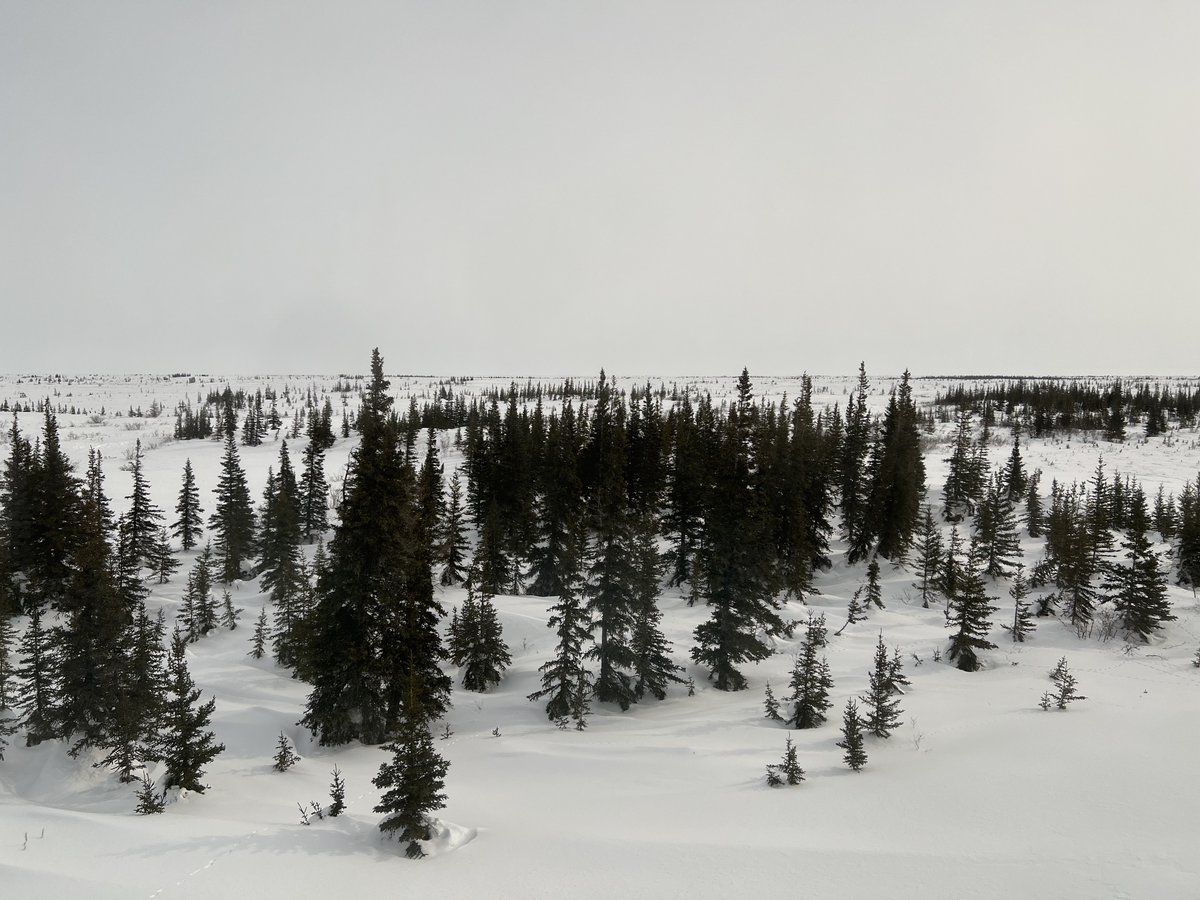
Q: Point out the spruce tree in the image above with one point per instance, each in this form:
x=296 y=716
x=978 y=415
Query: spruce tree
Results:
x=162 y=561
x=374 y=638
x=37 y=681
x=142 y=520
x=1034 y=519
x=996 y=532
x=285 y=756
x=149 y=801
x=896 y=475
x=232 y=520
x=771 y=705
x=7 y=663
x=258 y=640
x=454 y=538
x=810 y=686
x=337 y=794
x=852 y=737
x=186 y=745
x=485 y=656
x=653 y=668
x=412 y=782
x=1137 y=587
x=565 y=674
x=928 y=562
x=53 y=521
x=884 y=709
x=787 y=771
x=90 y=641
x=314 y=492
x=736 y=563
x=970 y=611
x=1022 y=624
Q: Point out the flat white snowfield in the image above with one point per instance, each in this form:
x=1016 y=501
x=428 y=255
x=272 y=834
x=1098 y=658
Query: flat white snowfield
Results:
x=979 y=794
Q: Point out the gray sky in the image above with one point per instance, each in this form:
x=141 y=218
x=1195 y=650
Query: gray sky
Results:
x=549 y=187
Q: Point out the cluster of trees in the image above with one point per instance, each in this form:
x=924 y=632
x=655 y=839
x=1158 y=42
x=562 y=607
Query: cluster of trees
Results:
x=92 y=668
x=1047 y=406
x=568 y=501
x=743 y=493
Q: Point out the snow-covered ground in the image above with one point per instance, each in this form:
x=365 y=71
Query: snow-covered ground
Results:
x=979 y=794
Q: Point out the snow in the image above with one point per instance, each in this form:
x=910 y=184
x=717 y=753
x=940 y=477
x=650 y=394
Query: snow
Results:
x=979 y=794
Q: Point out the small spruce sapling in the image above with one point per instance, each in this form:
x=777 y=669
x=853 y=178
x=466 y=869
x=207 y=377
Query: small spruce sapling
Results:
x=1064 y=687
x=788 y=771
x=258 y=641
x=852 y=737
x=771 y=706
x=149 y=801
x=1022 y=624
x=285 y=756
x=229 y=613
x=337 y=793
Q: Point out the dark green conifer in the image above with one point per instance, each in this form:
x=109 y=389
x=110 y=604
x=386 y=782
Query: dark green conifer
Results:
x=454 y=538
x=884 y=708
x=232 y=520
x=485 y=656
x=787 y=771
x=314 y=492
x=337 y=794
x=970 y=612
x=810 y=686
x=653 y=668
x=928 y=561
x=565 y=675
x=412 y=782
x=852 y=737
x=37 y=681
x=186 y=745
x=258 y=640
x=1022 y=625
x=189 y=526
x=1137 y=586
x=285 y=756
x=142 y=520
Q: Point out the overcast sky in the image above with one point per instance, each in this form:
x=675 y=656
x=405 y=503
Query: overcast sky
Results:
x=551 y=187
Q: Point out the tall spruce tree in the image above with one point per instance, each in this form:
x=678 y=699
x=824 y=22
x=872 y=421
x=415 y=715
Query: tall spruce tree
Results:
x=142 y=519
x=736 y=561
x=996 y=532
x=375 y=641
x=37 y=680
x=896 y=475
x=232 y=521
x=453 y=546
x=565 y=674
x=928 y=561
x=90 y=642
x=314 y=492
x=189 y=525
x=653 y=668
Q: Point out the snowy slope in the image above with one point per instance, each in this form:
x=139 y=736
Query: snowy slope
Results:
x=979 y=794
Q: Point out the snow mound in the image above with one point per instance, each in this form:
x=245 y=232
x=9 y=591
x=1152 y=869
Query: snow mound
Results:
x=447 y=837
